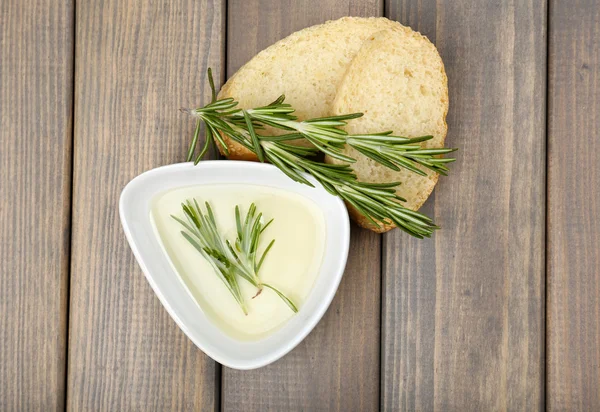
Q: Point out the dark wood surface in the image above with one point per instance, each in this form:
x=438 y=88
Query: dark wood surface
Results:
x=137 y=63
x=463 y=312
x=337 y=366
x=36 y=107
x=573 y=257
x=457 y=322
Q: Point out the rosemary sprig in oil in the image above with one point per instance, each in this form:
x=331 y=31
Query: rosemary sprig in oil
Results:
x=230 y=261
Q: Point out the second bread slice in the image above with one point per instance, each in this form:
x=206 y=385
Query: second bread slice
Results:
x=398 y=81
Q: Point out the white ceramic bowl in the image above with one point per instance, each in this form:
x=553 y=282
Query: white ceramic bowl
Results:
x=134 y=209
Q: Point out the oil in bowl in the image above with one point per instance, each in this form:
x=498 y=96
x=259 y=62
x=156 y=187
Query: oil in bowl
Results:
x=292 y=264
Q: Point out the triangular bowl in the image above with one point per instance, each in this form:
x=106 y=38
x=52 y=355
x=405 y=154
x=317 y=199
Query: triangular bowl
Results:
x=134 y=209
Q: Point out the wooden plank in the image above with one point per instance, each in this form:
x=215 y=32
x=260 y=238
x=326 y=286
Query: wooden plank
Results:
x=463 y=313
x=573 y=259
x=137 y=63
x=36 y=94
x=337 y=366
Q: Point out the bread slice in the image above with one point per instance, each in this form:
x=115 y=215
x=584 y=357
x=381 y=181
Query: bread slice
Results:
x=306 y=66
x=397 y=80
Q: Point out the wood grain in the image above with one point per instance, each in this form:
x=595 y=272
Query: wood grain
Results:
x=253 y=25
x=36 y=92
x=137 y=63
x=573 y=363
x=337 y=366
x=463 y=313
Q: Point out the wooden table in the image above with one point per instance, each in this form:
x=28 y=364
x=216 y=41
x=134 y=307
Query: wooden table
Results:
x=500 y=310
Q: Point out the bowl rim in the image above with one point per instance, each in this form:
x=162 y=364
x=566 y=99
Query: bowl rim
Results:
x=311 y=318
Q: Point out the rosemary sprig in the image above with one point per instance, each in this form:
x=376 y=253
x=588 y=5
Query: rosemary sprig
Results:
x=230 y=261
x=377 y=202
